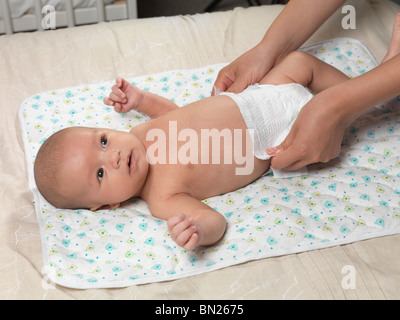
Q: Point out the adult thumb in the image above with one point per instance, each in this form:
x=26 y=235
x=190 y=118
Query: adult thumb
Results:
x=282 y=155
x=238 y=86
x=222 y=83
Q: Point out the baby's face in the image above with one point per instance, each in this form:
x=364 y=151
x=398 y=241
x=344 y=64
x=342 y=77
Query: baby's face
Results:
x=104 y=166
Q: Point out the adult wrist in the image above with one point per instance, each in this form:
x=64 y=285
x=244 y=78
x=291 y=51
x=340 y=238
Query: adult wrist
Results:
x=340 y=108
x=277 y=50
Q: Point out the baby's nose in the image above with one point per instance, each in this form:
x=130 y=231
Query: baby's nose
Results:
x=115 y=158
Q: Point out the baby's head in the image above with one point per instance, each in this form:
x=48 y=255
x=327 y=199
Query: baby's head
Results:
x=90 y=168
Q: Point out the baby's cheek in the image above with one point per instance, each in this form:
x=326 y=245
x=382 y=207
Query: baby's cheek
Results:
x=118 y=190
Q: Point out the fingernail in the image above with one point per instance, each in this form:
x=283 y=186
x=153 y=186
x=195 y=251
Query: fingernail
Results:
x=271 y=151
x=217 y=91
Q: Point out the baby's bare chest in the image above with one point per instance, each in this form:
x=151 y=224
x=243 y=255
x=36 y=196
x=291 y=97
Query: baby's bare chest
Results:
x=204 y=180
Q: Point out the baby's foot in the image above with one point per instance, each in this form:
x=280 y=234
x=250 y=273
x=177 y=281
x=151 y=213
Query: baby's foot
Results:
x=394 y=47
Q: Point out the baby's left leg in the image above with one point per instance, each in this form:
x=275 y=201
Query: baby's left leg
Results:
x=303 y=68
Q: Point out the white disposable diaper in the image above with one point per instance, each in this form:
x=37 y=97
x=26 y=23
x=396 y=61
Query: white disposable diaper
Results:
x=270 y=110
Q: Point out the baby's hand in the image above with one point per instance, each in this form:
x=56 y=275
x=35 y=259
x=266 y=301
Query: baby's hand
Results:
x=185 y=231
x=124 y=96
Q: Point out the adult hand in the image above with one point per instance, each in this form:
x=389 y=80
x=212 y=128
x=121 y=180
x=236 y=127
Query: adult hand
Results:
x=317 y=133
x=315 y=136
x=246 y=70
x=294 y=25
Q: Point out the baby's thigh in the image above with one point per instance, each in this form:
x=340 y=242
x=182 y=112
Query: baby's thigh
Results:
x=294 y=68
x=275 y=77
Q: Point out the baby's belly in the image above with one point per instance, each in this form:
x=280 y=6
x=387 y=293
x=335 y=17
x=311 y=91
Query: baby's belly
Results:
x=210 y=180
x=209 y=150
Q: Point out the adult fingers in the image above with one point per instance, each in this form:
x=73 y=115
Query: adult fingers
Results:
x=238 y=85
x=290 y=158
x=283 y=154
x=232 y=79
x=296 y=165
x=221 y=83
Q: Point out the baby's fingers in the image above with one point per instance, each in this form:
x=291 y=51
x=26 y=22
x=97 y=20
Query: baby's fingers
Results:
x=192 y=243
x=119 y=81
x=186 y=239
x=118 y=108
x=183 y=232
x=173 y=221
x=108 y=101
x=117 y=94
x=180 y=228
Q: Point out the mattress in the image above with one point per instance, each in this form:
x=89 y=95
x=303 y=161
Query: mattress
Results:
x=40 y=62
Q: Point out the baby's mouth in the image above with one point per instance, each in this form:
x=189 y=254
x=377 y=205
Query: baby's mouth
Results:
x=131 y=162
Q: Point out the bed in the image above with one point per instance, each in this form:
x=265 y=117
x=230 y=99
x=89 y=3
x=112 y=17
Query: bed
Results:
x=43 y=61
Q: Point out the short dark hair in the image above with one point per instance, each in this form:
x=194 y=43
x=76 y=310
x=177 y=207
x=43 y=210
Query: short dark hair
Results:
x=47 y=167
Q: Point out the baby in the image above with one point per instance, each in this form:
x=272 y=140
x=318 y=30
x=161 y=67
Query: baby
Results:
x=99 y=168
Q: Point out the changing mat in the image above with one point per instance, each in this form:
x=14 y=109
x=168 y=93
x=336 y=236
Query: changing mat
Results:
x=351 y=198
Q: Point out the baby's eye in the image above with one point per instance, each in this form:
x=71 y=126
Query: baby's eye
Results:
x=103 y=141
x=100 y=174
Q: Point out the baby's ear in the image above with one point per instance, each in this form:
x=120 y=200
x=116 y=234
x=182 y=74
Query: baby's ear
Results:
x=106 y=207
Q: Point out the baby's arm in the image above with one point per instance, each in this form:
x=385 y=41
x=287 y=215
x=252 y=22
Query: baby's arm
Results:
x=190 y=222
x=125 y=97
x=305 y=69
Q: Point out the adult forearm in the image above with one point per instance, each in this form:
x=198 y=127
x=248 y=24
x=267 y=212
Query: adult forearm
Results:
x=296 y=23
x=360 y=94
